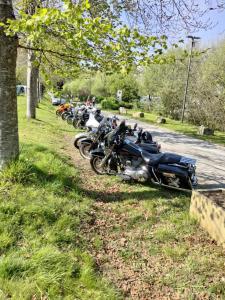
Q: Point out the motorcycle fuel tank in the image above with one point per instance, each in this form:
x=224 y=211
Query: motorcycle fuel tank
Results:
x=130 y=149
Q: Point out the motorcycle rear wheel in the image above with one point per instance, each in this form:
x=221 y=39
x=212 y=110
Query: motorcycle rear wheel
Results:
x=85 y=150
x=96 y=165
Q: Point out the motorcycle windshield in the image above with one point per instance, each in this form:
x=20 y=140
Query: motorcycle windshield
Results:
x=92 y=122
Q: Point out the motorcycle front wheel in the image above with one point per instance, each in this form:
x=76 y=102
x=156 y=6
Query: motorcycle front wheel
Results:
x=75 y=123
x=64 y=115
x=85 y=150
x=96 y=165
x=77 y=142
x=69 y=120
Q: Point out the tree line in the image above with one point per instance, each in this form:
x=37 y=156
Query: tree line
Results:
x=163 y=86
x=68 y=37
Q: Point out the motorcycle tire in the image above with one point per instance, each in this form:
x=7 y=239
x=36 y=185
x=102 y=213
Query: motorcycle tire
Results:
x=74 y=123
x=79 y=124
x=69 y=120
x=77 y=142
x=64 y=115
x=85 y=150
x=95 y=164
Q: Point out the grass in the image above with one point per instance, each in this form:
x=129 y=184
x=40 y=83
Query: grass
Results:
x=43 y=254
x=147 y=234
x=59 y=227
x=185 y=128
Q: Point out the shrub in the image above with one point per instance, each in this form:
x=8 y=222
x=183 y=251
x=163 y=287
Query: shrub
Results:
x=126 y=104
x=110 y=103
x=99 y=99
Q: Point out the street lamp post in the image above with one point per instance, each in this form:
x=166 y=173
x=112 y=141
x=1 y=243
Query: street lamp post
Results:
x=193 y=38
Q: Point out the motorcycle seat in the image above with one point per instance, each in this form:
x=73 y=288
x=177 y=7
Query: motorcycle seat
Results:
x=149 y=147
x=171 y=158
x=151 y=159
x=163 y=158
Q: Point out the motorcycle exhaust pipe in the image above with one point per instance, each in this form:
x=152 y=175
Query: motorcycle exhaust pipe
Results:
x=172 y=187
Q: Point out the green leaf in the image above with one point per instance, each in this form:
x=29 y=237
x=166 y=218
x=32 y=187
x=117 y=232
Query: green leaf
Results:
x=87 y=4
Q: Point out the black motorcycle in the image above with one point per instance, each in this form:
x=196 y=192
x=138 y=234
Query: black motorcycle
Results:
x=97 y=139
x=131 y=162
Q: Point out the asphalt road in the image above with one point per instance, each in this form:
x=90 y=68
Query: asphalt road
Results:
x=210 y=157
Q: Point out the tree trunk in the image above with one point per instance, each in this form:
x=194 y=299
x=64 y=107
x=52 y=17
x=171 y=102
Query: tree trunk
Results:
x=32 y=85
x=9 y=140
x=38 y=89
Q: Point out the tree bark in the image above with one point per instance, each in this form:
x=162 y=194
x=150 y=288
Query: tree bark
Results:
x=32 y=85
x=9 y=140
x=38 y=89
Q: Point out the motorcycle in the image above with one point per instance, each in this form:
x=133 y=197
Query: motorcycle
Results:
x=83 y=114
x=62 y=108
x=127 y=159
x=91 y=125
x=68 y=114
x=97 y=138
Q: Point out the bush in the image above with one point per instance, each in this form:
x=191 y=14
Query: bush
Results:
x=110 y=103
x=99 y=99
x=126 y=104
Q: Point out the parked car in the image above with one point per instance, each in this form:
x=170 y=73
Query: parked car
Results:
x=57 y=101
x=21 y=89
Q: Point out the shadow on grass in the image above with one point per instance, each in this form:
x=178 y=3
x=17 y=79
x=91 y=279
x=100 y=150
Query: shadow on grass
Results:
x=64 y=182
x=154 y=193
x=65 y=127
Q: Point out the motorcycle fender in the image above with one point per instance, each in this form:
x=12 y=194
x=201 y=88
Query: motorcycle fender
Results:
x=169 y=170
x=79 y=137
x=97 y=152
x=86 y=141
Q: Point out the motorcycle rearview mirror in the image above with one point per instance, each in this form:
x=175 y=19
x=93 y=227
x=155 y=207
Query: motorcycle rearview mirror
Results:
x=135 y=126
x=122 y=126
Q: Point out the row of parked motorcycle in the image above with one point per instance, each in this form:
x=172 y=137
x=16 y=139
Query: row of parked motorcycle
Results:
x=115 y=148
x=78 y=114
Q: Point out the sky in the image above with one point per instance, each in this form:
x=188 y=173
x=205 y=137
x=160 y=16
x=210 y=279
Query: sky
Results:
x=213 y=35
x=217 y=33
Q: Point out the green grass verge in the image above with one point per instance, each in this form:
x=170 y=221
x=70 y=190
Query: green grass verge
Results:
x=185 y=128
x=44 y=209
x=43 y=254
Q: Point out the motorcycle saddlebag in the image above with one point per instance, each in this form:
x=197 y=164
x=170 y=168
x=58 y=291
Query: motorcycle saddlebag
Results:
x=169 y=169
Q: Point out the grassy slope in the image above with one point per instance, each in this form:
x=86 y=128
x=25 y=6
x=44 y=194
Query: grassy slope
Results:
x=146 y=243
x=185 y=128
x=41 y=211
x=51 y=215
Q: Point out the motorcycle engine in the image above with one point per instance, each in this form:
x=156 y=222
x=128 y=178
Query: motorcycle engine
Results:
x=140 y=173
x=135 y=169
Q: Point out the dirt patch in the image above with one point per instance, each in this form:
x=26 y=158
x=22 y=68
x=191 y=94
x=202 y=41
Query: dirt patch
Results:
x=134 y=248
x=218 y=197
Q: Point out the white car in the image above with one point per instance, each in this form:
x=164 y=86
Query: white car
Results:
x=58 y=101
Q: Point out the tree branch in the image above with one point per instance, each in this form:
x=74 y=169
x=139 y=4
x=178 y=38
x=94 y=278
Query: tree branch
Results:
x=56 y=53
